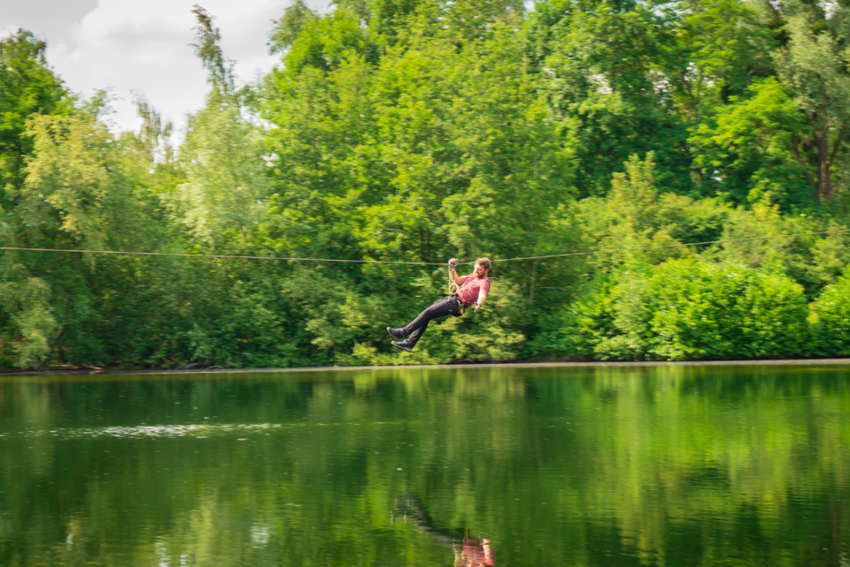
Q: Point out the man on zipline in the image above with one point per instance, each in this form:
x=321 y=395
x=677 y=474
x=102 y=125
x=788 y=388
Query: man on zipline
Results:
x=472 y=289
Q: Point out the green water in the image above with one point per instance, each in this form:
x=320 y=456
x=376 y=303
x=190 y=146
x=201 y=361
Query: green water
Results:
x=673 y=466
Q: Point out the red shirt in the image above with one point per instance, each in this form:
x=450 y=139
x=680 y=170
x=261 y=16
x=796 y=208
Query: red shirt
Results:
x=470 y=288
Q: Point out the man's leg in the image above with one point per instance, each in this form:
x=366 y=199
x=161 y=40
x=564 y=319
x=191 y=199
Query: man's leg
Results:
x=415 y=328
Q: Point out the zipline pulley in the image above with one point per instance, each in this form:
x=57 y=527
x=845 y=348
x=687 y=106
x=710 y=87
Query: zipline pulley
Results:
x=453 y=287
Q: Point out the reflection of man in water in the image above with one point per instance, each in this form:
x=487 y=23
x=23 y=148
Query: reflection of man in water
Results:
x=474 y=553
x=471 y=553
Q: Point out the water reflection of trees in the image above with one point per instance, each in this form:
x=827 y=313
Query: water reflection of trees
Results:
x=739 y=465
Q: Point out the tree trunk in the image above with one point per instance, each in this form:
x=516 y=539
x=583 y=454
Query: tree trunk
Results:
x=825 y=188
x=824 y=180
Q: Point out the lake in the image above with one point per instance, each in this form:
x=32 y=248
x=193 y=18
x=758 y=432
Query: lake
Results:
x=614 y=466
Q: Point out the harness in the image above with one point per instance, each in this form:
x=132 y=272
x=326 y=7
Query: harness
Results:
x=456 y=306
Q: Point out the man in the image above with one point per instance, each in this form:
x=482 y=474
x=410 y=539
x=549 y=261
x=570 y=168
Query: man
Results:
x=473 y=290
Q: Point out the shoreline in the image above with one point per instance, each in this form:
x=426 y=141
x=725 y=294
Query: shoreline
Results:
x=483 y=365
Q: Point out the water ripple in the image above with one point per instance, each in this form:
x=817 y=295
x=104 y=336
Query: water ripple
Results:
x=156 y=431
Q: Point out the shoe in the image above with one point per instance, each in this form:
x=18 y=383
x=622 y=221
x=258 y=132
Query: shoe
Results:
x=395 y=333
x=403 y=345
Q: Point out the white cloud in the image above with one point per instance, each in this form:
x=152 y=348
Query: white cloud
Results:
x=143 y=47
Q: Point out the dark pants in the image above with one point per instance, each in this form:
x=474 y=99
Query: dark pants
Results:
x=440 y=308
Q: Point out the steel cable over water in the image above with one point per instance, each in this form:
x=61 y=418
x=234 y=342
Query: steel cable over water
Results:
x=543 y=257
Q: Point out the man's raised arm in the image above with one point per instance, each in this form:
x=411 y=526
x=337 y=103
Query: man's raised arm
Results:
x=453 y=273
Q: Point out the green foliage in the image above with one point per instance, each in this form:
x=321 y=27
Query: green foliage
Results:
x=30 y=318
x=685 y=309
x=390 y=17
x=636 y=215
x=326 y=42
x=27 y=86
x=830 y=317
x=597 y=64
x=84 y=189
x=289 y=26
x=418 y=131
x=207 y=49
x=812 y=64
x=76 y=188
x=720 y=48
x=225 y=183
x=753 y=150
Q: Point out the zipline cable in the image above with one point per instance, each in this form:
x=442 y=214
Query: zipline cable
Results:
x=543 y=257
x=669 y=246
x=224 y=256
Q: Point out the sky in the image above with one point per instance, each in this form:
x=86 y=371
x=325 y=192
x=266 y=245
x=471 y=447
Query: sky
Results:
x=141 y=48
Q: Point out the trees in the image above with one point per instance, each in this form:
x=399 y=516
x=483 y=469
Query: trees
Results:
x=811 y=61
x=751 y=148
x=27 y=86
x=419 y=131
x=225 y=189
x=289 y=26
x=597 y=63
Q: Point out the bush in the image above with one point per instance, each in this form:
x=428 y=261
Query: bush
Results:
x=685 y=309
x=830 y=318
